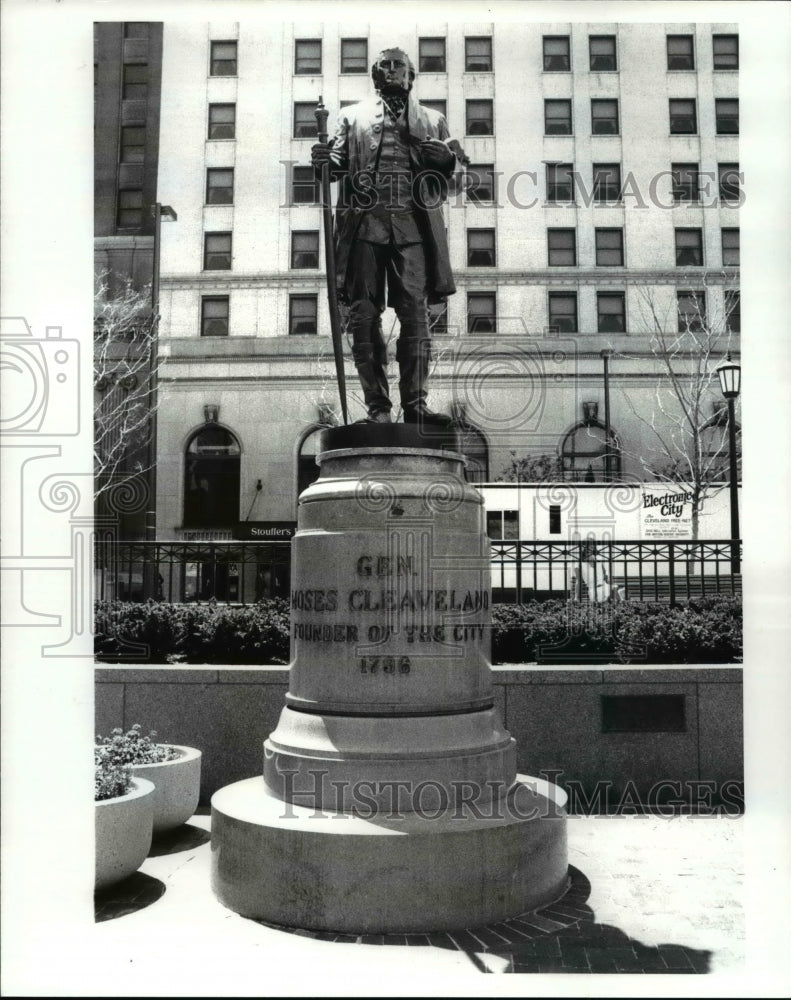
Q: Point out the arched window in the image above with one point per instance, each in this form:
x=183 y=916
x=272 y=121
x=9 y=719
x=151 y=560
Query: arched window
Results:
x=211 y=479
x=584 y=452
x=472 y=444
x=307 y=470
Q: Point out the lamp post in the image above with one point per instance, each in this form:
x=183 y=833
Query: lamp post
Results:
x=730 y=376
x=605 y=355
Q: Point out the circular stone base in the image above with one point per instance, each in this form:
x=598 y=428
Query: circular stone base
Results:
x=390 y=873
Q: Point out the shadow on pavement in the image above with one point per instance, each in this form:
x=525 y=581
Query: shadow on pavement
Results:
x=128 y=896
x=183 y=838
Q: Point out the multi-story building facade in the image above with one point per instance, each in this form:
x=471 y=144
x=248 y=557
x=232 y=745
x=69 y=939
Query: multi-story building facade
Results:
x=599 y=213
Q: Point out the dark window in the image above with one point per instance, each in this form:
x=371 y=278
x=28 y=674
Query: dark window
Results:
x=611 y=312
x=478 y=55
x=133 y=144
x=305 y=120
x=729 y=181
x=562 y=312
x=560 y=182
x=214 y=316
x=607 y=182
x=502 y=524
x=137 y=29
x=562 y=247
x=730 y=247
x=219 y=187
x=480 y=248
x=586 y=455
x=217 y=252
x=557 y=117
x=480 y=118
x=685 y=181
x=554 y=519
x=689 y=247
x=305 y=249
x=604 y=117
x=683 y=117
x=302 y=314
x=680 y=52
x=602 y=53
x=354 y=55
x=211 y=498
x=733 y=311
x=304 y=186
x=481 y=312
x=431 y=55
x=441 y=106
x=691 y=311
x=609 y=247
x=135 y=82
x=222 y=121
x=556 y=54
x=438 y=317
x=481 y=180
x=643 y=713
x=130 y=209
x=727 y=114
x=223 y=58
x=307 y=57
x=726 y=51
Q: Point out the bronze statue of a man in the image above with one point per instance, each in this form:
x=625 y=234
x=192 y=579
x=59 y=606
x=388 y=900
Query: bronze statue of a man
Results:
x=393 y=160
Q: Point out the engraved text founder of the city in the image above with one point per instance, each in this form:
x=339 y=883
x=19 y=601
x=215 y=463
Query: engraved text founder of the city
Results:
x=393 y=159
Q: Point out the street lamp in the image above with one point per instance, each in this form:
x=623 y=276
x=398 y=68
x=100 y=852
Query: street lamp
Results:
x=730 y=376
x=605 y=355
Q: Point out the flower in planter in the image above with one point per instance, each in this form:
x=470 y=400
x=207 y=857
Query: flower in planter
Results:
x=110 y=779
x=133 y=747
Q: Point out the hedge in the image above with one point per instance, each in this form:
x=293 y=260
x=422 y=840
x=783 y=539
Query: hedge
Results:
x=708 y=630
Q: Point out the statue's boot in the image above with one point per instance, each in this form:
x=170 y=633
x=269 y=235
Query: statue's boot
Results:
x=373 y=381
x=414 y=357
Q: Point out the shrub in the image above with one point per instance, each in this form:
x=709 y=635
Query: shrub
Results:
x=110 y=779
x=132 y=747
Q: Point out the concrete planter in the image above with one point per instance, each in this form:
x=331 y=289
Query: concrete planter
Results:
x=123 y=833
x=177 y=787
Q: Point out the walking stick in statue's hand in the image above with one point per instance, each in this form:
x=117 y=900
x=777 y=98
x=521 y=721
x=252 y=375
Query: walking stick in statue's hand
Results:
x=329 y=256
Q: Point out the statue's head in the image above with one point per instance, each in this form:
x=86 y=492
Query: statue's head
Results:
x=393 y=71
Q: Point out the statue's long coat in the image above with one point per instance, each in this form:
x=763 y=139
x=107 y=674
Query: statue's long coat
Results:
x=355 y=148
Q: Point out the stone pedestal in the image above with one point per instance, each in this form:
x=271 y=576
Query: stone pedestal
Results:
x=390 y=799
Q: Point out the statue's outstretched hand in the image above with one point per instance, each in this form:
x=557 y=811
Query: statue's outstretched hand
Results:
x=435 y=153
x=320 y=154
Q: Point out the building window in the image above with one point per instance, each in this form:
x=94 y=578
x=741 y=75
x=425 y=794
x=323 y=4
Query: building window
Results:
x=729 y=181
x=438 y=318
x=130 y=209
x=689 y=247
x=609 y=247
x=217 y=252
x=354 y=55
x=643 y=713
x=135 y=82
x=481 y=312
x=604 y=117
x=223 y=58
x=683 y=117
x=607 y=182
x=691 y=311
x=305 y=249
x=685 y=181
x=302 y=314
x=431 y=55
x=554 y=519
x=730 y=247
x=562 y=247
x=480 y=248
x=214 y=316
x=137 y=29
x=602 y=53
x=680 y=52
x=727 y=115
x=502 y=525
x=219 y=187
x=557 y=117
x=305 y=126
x=481 y=187
x=480 y=118
x=611 y=312
x=307 y=57
x=440 y=106
x=222 y=121
x=585 y=453
x=304 y=186
x=733 y=311
x=133 y=144
x=472 y=444
x=557 y=57
x=211 y=493
x=562 y=312
x=726 y=51
x=560 y=182
x=478 y=55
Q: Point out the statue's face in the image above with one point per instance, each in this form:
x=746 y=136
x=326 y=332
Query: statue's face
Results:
x=393 y=71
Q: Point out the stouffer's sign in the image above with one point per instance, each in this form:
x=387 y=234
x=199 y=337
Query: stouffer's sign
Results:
x=265 y=531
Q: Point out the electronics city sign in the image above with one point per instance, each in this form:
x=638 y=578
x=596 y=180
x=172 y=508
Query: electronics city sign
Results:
x=666 y=513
